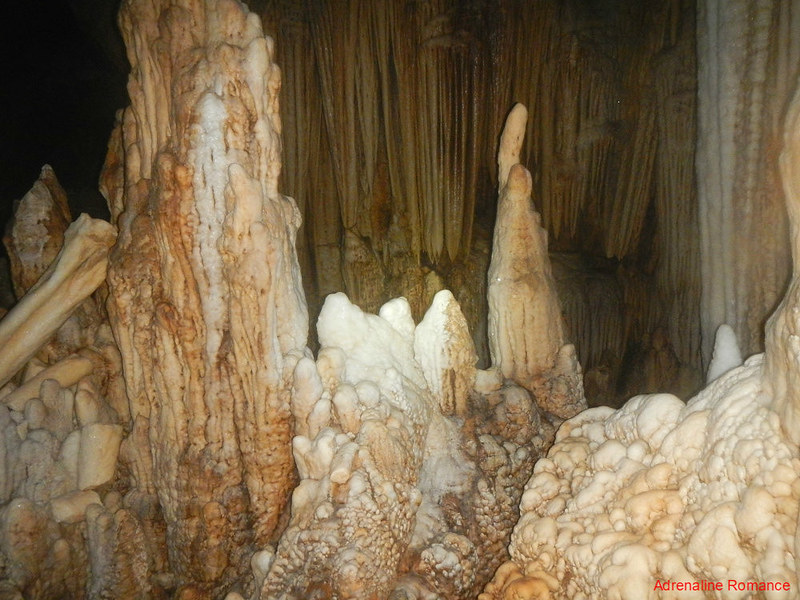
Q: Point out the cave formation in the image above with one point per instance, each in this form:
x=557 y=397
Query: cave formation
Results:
x=362 y=279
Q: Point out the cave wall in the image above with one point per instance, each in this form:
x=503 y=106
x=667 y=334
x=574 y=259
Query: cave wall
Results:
x=749 y=60
x=391 y=113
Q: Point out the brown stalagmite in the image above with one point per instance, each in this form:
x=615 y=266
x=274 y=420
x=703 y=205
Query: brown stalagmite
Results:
x=525 y=323
x=782 y=360
x=33 y=239
x=206 y=299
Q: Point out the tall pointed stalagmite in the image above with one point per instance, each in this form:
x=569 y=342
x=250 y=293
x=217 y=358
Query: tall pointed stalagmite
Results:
x=206 y=303
x=525 y=325
x=526 y=336
x=659 y=490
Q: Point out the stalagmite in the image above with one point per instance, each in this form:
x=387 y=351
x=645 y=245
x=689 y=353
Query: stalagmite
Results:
x=66 y=372
x=234 y=462
x=356 y=502
x=409 y=475
x=394 y=153
x=33 y=239
x=206 y=301
x=525 y=327
x=449 y=367
x=46 y=459
x=36 y=233
x=525 y=324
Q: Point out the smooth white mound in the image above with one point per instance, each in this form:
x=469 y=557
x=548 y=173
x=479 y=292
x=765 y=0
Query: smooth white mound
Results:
x=726 y=353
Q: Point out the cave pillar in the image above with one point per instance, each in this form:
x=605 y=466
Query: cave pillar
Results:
x=782 y=361
x=748 y=56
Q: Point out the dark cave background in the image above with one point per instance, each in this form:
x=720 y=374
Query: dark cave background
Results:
x=64 y=78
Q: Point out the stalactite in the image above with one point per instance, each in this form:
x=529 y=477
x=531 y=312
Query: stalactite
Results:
x=305 y=148
x=678 y=245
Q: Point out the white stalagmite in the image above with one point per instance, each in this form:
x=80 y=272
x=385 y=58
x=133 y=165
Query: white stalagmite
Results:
x=353 y=512
x=409 y=475
x=444 y=349
x=97 y=456
x=726 y=354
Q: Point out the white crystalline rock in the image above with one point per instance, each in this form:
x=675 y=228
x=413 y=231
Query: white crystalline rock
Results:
x=445 y=471
x=69 y=453
x=488 y=380
x=656 y=490
x=97 y=456
x=405 y=487
x=346 y=408
x=726 y=354
x=307 y=389
x=71 y=507
x=313 y=457
x=708 y=490
x=397 y=313
x=363 y=413
x=371 y=344
x=445 y=351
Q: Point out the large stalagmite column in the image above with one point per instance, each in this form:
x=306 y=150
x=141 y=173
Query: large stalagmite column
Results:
x=206 y=300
